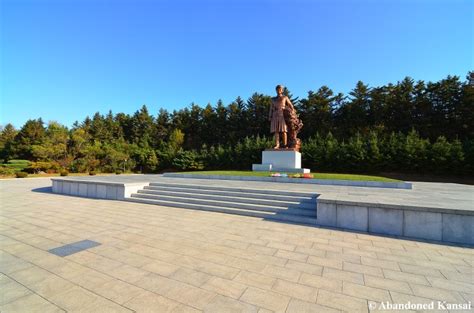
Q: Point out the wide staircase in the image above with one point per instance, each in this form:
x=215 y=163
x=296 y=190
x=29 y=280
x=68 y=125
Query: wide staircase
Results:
x=286 y=206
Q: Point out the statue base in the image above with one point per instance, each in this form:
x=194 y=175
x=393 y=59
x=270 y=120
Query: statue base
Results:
x=281 y=160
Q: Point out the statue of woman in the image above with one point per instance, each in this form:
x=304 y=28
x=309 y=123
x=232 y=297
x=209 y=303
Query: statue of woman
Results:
x=277 y=118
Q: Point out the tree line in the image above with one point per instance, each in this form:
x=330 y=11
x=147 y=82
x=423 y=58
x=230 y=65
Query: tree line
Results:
x=410 y=126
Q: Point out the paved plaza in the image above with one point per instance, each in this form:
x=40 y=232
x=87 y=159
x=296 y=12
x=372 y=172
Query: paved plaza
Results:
x=160 y=259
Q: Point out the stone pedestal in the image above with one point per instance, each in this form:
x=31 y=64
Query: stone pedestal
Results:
x=283 y=160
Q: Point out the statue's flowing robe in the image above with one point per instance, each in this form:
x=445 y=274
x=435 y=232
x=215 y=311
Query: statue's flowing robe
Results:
x=277 y=117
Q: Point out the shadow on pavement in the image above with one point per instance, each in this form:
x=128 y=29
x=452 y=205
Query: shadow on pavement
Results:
x=43 y=189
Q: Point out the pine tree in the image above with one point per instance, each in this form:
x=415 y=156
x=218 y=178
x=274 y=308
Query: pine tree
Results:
x=32 y=133
x=7 y=142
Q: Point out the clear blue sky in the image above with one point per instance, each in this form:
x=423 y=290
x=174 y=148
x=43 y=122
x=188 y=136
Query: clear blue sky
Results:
x=65 y=59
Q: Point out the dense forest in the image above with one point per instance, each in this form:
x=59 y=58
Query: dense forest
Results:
x=407 y=127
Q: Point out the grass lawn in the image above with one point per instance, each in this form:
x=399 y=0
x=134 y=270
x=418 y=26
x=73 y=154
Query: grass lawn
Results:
x=315 y=175
x=241 y=173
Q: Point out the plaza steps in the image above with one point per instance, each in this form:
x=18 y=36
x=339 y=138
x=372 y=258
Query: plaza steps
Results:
x=268 y=204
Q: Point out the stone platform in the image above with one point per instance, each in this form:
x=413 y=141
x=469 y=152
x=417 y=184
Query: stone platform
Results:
x=429 y=211
x=281 y=160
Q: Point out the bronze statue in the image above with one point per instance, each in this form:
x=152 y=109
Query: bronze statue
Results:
x=284 y=120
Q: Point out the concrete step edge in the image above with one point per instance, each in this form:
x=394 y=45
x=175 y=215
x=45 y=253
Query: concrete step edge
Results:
x=234 y=205
x=230 y=198
x=256 y=191
x=236 y=211
x=264 y=215
x=245 y=194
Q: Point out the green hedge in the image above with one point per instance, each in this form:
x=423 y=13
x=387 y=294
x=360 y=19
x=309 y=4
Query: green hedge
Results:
x=371 y=153
x=17 y=165
x=396 y=152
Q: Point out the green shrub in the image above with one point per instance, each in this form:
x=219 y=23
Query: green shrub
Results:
x=17 y=165
x=187 y=160
x=14 y=166
x=21 y=174
x=440 y=154
x=118 y=172
x=23 y=162
x=92 y=173
x=6 y=170
x=416 y=152
x=457 y=157
x=219 y=157
x=42 y=166
x=63 y=173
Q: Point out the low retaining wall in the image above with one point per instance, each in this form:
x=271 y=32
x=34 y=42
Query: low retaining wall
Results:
x=96 y=189
x=331 y=182
x=445 y=225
